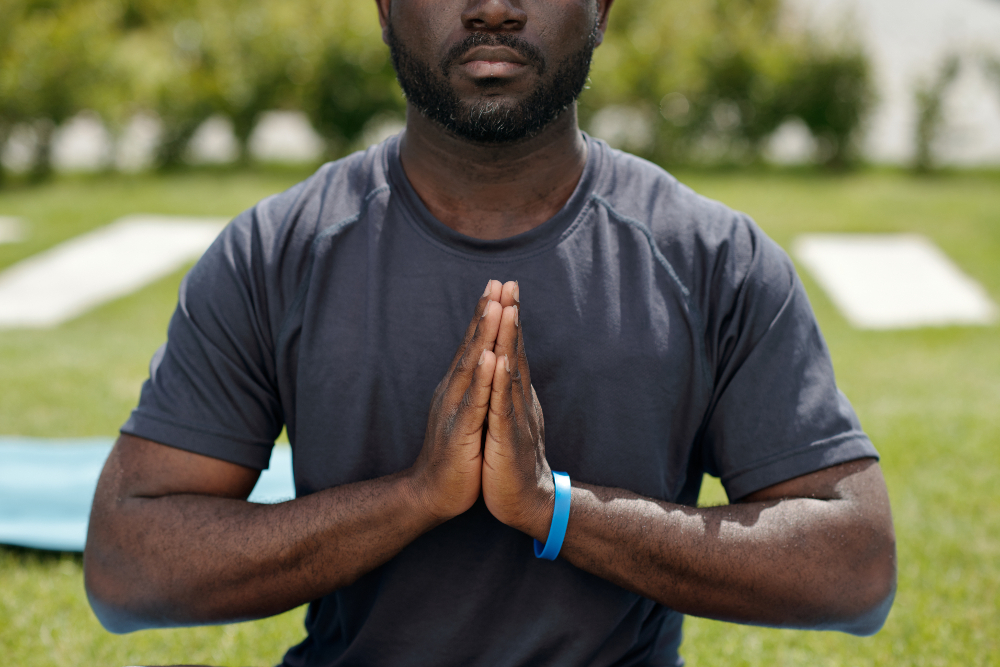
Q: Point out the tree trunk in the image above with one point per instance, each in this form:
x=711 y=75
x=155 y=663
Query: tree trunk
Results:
x=41 y=167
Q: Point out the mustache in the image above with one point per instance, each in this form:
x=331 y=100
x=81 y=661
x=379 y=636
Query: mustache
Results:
x=529 y=52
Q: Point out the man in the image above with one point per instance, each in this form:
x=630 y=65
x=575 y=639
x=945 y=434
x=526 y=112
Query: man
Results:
x=663 y=335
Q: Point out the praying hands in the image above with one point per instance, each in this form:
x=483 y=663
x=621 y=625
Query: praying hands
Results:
x=485 y=432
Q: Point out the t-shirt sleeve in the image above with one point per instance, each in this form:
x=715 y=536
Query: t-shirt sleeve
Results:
x=211 y=387
x=777 y=413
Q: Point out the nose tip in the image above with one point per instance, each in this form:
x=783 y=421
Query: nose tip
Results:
x=494 y=15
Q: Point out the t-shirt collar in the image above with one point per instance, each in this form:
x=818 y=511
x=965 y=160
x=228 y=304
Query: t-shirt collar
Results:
x=535 y=240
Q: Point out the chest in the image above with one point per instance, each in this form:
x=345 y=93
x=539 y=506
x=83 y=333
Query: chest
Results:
x=613 y=359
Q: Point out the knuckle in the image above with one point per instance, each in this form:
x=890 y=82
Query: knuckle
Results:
x=463 y=364
x=467 y=401
x=448 y=423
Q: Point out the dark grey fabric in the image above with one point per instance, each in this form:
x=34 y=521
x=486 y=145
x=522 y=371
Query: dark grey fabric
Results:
x=667 y=336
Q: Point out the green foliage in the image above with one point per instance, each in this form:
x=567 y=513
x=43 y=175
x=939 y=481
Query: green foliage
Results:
x=349 y=92
x=929 y=97
x=188 y=59
x=831 y=91
x=723 y=74
x=52 y=64
x=354 y=80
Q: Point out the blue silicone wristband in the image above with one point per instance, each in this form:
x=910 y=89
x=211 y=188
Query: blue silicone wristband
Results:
x=560 y=517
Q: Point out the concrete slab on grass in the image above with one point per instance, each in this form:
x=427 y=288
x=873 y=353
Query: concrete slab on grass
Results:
x=893 y=281
x=12 y=230
x=65 y=281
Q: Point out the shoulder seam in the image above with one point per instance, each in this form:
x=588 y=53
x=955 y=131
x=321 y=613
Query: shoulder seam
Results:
x=332 y=230
x=632 y=222
x=694 y=314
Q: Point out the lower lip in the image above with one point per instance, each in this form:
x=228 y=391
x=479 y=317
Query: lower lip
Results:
x=491 y=68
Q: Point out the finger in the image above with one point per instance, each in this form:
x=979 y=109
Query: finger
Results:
x=502 y=418
x=510 y=341
x=523 y=375
x=496 y=289
x=483 y=339
x=507 y=335
x=492 y=292
x=508 y=370
x=510 y=294
x=475 y=403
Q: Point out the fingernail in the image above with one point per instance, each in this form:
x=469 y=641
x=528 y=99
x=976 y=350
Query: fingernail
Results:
x=506 y=362
x=488 y=286
x=517 y=312
x=486 y=308
x=482 y=357
x=517 y=292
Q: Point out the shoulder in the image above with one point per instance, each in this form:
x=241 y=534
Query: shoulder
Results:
x=719 y=255
x=335 y=194
x=265 y=254
x=277 y=234
x=697 y=234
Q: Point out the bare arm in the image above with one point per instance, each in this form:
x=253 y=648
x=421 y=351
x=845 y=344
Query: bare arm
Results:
x=813 y=552
x=173 y=541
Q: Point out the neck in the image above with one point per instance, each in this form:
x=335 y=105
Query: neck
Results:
x=488 y=191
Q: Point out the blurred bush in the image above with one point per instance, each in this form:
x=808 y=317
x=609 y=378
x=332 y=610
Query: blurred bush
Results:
x=52 y=57
x=697 y=81
x=725 y=74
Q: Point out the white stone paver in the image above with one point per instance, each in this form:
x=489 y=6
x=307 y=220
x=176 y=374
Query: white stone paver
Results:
x=77 y=275
x=893 y=281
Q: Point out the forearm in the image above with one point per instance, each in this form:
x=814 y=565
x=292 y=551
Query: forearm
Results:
x=194 y=559
x=798 y=562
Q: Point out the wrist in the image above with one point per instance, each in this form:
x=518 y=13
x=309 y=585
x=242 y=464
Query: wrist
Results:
x=416 y=496
x=538 y=518
x=549 y=548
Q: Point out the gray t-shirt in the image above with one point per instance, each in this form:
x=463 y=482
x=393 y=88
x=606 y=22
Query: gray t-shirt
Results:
x=667 y=337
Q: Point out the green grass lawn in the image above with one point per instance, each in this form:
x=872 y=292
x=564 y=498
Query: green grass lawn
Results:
x=929 y=398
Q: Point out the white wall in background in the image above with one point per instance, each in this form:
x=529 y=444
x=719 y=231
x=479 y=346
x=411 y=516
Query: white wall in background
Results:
x=82 y=144
x=213 y=142
x=17 y=154
x=136 y=149
x=624 y=127
x=791 y=144
x=907 y=41
x=380 y=128
x=285 y=136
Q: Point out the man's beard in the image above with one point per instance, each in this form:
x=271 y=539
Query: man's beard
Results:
x=487 y=121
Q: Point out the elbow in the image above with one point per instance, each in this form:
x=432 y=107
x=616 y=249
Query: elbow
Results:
x=112 y=617
x=110 y=597
x=864 y=610
x=102 y=597
x=869 y=621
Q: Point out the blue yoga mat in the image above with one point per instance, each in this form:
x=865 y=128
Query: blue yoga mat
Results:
x=47 y=486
